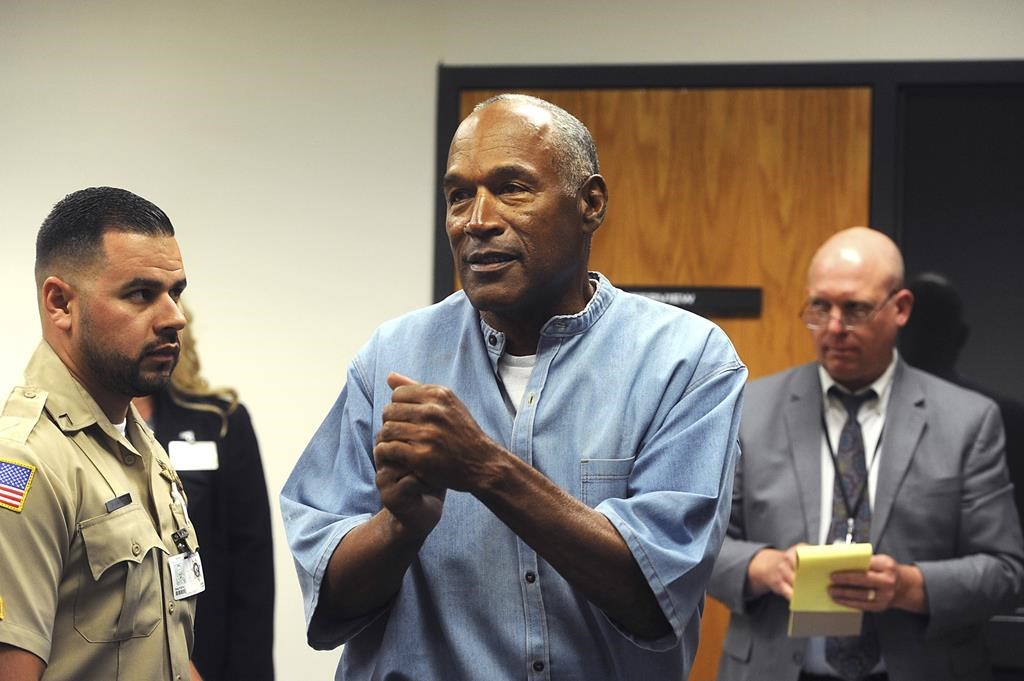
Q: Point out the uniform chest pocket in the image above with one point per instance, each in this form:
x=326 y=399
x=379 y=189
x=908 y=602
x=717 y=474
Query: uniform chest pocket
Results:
x=604 y=479
x=119 y=594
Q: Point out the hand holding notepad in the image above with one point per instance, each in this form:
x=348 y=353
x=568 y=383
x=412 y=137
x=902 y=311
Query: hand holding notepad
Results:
x=812 y=612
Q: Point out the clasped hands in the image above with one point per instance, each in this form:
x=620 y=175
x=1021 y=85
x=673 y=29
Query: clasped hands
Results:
x=875 y=590
x=428 y=443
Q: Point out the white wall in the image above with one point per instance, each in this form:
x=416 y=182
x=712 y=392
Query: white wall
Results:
x=292 y=145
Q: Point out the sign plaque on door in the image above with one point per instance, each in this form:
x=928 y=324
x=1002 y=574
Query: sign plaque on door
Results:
x=707 y=301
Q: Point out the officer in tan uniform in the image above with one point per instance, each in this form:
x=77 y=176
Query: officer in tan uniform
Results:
x=99 y=566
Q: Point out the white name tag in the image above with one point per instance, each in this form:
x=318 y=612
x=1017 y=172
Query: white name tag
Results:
x=186 y=575
x=193 y=456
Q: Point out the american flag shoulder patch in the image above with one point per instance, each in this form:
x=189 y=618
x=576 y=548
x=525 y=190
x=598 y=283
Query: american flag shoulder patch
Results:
x=15 y=481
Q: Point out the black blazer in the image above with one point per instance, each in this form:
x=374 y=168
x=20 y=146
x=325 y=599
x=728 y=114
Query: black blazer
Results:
x=234 y=629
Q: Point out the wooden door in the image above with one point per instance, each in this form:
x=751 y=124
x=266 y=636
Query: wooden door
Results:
x=725 y=187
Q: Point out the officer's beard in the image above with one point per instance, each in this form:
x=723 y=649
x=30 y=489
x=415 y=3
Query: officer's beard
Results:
x=120 y=373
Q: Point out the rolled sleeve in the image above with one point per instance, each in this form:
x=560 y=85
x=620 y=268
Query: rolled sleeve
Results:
x=675 y=517
x=330 y=492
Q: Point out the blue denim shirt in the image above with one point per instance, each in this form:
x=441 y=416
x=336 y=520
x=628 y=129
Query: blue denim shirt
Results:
x=633 y=408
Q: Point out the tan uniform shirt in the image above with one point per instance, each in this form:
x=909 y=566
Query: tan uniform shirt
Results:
x=88 y=589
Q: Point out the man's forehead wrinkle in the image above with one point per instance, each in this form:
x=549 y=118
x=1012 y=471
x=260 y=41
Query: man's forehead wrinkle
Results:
x=148 y=261
x=503 y=141
x=496 y=152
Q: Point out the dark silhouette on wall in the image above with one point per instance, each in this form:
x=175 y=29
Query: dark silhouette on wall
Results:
x=932 y=341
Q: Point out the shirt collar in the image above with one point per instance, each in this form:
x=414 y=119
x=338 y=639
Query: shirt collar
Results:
x=881 y=385
x=560 y=325
x=67 y=401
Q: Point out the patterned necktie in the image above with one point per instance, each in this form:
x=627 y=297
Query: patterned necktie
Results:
x=853 y=657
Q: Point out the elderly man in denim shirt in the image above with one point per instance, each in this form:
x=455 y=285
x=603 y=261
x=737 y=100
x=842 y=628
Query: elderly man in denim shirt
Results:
x=530 y=479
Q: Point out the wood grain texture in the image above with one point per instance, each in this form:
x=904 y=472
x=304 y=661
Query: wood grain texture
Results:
x=725 y=187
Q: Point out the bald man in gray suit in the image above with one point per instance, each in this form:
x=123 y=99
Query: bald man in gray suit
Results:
x=933 y=495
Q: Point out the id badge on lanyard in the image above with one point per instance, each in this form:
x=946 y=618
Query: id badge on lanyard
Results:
x=187 y=577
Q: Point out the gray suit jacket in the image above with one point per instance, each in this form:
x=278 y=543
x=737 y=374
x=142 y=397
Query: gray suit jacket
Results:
x=943 y=502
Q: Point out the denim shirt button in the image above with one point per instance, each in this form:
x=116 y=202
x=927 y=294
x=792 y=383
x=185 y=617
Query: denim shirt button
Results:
x=538 y=666
x=531 y=577
x=492 y=339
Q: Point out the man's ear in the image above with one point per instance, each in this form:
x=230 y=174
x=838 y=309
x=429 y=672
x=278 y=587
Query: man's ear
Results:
x=904 y=302
x=593 y=201
x=57 y=297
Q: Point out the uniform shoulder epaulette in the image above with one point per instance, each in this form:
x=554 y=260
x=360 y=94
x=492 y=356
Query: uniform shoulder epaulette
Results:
x=21 y=413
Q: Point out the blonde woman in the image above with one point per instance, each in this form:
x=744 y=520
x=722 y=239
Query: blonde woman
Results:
x=210 y=438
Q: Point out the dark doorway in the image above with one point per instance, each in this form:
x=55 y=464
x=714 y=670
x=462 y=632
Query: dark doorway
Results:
x=963 y=214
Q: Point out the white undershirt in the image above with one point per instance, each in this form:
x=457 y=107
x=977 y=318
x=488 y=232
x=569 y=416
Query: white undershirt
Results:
x=514 y=372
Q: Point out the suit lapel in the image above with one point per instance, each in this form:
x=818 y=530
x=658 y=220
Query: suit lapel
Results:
x=905 y=420
x=802 y=414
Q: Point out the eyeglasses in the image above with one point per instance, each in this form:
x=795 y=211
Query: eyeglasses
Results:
x=817 y=313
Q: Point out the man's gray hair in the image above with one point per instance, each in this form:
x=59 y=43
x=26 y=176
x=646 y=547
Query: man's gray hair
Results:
x=575 y=152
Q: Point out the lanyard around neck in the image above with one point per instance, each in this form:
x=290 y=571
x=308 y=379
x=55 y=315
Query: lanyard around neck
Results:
x=851 y=510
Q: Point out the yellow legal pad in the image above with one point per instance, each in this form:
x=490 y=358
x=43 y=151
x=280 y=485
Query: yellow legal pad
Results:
x=812 y=612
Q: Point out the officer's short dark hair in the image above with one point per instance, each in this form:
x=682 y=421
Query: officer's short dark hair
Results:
x=72 y=234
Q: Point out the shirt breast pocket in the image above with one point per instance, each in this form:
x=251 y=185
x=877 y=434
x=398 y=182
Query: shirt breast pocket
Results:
x=119 y=595
x=604 y=479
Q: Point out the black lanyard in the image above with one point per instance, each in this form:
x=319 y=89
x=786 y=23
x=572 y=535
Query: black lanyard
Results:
x=851 y=512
